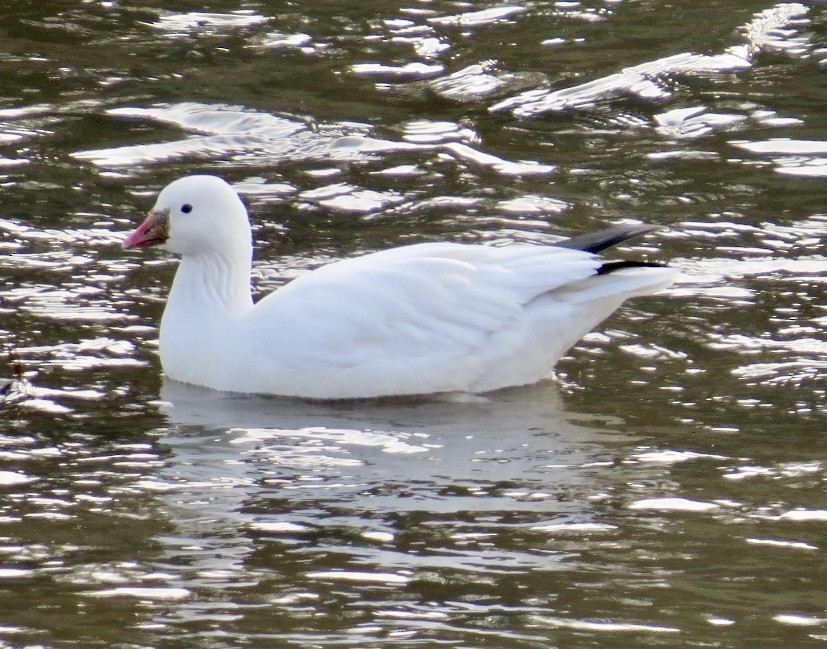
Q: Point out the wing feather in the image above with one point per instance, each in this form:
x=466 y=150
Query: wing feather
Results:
x=434 y=318
x=420 y=299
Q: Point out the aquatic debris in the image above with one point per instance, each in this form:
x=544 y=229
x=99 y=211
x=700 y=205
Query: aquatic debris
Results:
x=17 y=388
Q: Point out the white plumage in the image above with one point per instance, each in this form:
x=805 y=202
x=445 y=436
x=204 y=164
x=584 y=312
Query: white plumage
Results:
x=420 y=319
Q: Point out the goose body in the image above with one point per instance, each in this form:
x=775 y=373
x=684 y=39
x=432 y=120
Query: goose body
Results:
x=420 y=319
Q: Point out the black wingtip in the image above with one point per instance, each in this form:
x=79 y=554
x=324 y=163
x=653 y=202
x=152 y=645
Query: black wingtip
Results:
x=594 y=242
x=612 y=266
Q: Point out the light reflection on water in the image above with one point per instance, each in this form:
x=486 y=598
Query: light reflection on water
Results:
x=667 y=488
x=445 y=519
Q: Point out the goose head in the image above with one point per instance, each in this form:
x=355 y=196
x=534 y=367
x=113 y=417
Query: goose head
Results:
x=194 y=216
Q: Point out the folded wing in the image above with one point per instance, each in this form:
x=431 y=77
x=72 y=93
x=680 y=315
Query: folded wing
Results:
x=442 y=317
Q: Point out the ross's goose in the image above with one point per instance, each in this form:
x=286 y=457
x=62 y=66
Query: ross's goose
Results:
x=420 y=319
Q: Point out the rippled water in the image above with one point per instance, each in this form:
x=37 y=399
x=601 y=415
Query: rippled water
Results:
x=666 y=490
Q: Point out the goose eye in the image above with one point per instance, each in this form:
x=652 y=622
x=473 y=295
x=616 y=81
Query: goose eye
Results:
x=186 y=208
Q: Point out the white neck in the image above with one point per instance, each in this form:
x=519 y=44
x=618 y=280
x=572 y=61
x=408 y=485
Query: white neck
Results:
x=209 y=298
x=208 y=287
x=207 y=302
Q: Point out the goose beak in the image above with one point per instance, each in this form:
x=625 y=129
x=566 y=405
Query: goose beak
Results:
x=154 y=231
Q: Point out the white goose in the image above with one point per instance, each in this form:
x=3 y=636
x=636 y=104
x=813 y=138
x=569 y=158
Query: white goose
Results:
x=420 y=319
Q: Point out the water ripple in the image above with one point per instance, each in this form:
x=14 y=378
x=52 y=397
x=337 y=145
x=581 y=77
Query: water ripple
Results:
x=773 y=29
x=282 y=40
x=779 y=29
x=806 y=158
x=479 y=18
x=639 y=80
x=479 y=82
x=693 y=122
x=605 y=626
x=233 y=130
x=207 y=23
x=406 y=71
x=342 y=197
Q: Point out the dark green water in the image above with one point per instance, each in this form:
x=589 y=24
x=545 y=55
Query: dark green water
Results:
x=667 y=490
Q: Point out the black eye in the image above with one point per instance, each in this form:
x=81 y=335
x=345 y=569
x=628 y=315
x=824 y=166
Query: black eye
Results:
x=186 y=208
